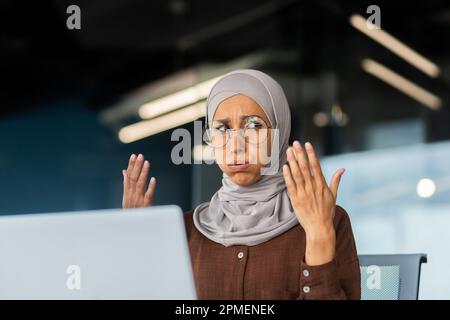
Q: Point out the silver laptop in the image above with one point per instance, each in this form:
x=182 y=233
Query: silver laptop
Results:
x=106 y=254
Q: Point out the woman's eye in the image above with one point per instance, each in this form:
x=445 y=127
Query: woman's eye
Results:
x=220 y=128
x=254 y=125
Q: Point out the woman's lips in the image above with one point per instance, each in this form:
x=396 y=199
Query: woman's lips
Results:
x=238 y=166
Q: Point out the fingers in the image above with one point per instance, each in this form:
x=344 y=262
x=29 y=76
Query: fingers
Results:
x=148 y=197
x=136 y=171
x=125 y=188
x=315 y=165
x=136 y=193
x=303 y=164
x=142 y=180
x=126 y=182
x=131 y=164
x=290 y=184
x=335 y=180
x=130 y=169
x=294 y=169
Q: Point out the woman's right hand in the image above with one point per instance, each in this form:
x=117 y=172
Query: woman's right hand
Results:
x=136 y=193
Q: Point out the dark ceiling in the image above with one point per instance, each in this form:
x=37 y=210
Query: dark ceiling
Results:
x=127 y=43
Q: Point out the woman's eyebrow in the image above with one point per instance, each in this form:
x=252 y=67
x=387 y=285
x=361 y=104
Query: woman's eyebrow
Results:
x=225 y=120
x=250 y=115
x=242 y=117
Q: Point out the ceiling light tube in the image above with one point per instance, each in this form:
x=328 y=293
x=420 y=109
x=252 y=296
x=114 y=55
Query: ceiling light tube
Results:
x=393 y=44
x=404 y=85
x=176 y=100
x=165 y=122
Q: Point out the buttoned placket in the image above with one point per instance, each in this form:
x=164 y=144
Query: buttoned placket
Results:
x=241 y=257
x=304 y=286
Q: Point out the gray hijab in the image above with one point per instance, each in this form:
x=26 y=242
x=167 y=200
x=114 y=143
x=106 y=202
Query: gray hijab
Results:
x=250 y=215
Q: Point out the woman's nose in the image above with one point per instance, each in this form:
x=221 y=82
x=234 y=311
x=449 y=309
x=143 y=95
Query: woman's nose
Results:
x=237 y=141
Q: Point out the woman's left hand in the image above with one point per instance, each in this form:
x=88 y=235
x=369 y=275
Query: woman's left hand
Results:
x=313 y=201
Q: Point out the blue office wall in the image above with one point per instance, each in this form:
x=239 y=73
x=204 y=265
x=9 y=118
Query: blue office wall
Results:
x=379 y=191
x=58 y=157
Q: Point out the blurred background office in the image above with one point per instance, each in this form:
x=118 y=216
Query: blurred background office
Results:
x=76 y=102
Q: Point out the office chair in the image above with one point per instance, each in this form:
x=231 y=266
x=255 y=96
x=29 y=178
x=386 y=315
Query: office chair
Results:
x=391 y=277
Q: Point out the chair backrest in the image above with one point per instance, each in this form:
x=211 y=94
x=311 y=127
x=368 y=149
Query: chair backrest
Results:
x=391 y=277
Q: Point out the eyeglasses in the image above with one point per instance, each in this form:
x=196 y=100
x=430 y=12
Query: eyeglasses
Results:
x=254 y=131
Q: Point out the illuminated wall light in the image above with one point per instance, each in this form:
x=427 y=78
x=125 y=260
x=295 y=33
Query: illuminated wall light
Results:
x=425 y=188
x=344 y=120
x=165 y=122
x=321 y=119
x=176 y=100
x=339 y=116
x=397 y=47
x=404 y=85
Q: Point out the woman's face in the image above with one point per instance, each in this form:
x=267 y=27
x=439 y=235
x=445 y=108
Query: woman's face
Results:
x=246 y=149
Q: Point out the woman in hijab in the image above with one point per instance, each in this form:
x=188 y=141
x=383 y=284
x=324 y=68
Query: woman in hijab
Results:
x=273 y=230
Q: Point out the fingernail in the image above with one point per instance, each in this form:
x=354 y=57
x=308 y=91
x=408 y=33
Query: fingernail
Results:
x=146 y=163
x=297 y=144
x=152 y=180
x=140 y=156
x=133 y=156
x=308 y=145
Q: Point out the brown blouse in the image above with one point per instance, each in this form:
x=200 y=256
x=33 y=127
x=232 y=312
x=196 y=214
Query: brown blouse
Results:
x=274 y=269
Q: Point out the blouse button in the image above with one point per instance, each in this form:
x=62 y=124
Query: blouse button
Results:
x=306 y=273
x=306 y=289
x=240 y=255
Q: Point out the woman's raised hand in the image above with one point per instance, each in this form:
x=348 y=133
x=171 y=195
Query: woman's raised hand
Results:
x=136 y=193
x=313 y=201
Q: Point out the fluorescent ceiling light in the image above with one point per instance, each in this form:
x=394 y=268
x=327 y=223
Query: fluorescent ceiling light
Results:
x=393 y=44
x=128 y=106
x=176 y=100
x=165 y=122
x=397 y=81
